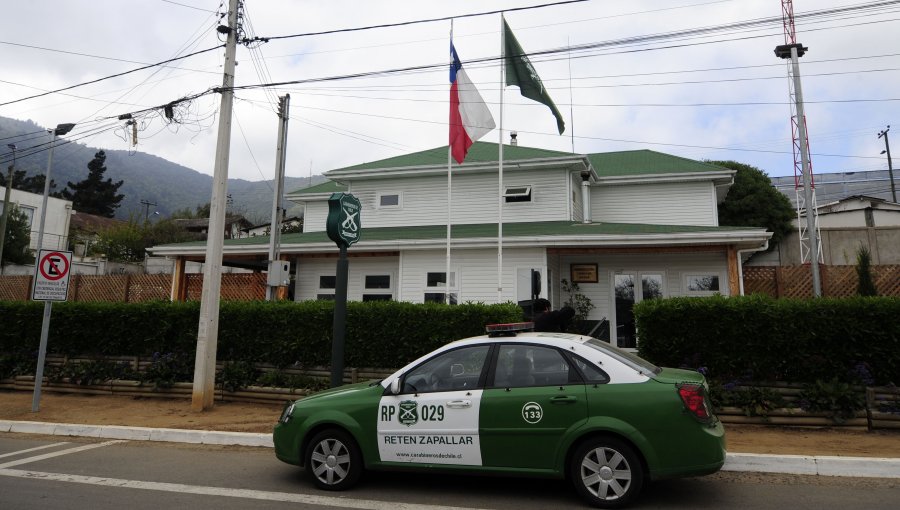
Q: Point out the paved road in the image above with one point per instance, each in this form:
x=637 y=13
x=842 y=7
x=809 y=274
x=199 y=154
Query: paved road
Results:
x=49 y=473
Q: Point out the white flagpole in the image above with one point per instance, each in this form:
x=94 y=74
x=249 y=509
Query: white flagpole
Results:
x=500 y=167
x=449 y=198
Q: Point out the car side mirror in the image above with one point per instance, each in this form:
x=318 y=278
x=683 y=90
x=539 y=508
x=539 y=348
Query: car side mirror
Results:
x=395 y=386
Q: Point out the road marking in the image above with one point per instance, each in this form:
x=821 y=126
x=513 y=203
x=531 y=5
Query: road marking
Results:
x=57 y=454
x=305 y=499
x=36 y=448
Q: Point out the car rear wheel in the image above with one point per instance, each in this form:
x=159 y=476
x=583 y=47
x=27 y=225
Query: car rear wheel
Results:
x=606 y=472
x=333 y=460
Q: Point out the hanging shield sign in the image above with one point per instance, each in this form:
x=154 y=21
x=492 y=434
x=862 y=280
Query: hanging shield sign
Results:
x=343 y=223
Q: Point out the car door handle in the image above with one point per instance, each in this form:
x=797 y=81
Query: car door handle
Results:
x=459 y=404
x=564 y=400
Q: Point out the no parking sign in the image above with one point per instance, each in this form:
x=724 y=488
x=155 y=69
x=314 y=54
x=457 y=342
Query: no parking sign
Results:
x=51 y=276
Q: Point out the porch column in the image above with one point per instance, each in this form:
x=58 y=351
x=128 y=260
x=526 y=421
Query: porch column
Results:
x=179 y=281
x=734 y=278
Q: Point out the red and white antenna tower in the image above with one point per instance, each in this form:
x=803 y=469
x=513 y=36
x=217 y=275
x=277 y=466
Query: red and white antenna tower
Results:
x=807 y=215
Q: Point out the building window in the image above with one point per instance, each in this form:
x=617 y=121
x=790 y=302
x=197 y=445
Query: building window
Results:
x=702 y=284
x=27 y=211
x=389 y=201
x=436 y=285
x=517 y=194
x=378 y=288
x=327 y=284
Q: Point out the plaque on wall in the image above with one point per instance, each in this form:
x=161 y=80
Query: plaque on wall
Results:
x=584 y=273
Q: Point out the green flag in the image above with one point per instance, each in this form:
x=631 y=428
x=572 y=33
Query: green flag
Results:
x=521 y=73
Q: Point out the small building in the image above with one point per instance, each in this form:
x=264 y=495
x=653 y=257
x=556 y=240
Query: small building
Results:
x=612 y=228
x=294 y=223
x=56 y=225
x=234 y=225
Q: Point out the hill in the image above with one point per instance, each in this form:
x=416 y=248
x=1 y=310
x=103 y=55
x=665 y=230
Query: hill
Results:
x=146 y=177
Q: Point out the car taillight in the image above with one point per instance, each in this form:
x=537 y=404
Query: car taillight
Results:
x=694 y=399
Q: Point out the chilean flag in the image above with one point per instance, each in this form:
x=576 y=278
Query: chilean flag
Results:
x=470 y=118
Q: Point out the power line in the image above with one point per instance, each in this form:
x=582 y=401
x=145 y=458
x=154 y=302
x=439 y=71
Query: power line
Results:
x=415 y=22
x=111 y=76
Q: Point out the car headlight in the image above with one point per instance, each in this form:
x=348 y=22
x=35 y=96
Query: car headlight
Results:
x=286 y=413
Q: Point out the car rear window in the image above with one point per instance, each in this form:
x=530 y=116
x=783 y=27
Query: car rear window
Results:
x=630 y=359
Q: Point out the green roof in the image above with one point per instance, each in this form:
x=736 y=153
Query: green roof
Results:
x=325 y=187
x=482 y=230
x=479 y=152
x=646 y=162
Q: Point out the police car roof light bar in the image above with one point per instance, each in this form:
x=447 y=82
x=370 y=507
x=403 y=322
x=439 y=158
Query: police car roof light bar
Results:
x=494 y=330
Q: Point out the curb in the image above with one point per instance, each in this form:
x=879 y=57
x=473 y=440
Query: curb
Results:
x=865 y=467
x=138 y=433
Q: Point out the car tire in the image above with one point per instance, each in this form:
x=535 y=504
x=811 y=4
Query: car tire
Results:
x=333 y=461
x=606 y=472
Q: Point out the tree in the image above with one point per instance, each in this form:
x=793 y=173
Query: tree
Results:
x=16 y=244
x=94 y=195
x=33 y=184
x=752 y=201
x=866 y=286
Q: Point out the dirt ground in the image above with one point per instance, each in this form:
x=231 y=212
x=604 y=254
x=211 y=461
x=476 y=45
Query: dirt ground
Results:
x=238 y=417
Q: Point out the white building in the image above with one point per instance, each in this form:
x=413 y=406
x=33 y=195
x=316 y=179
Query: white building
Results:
x=626 y=226
x=56 y=226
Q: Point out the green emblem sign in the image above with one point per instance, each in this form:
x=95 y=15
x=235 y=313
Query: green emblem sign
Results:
x=409 y=413
x=343 y=224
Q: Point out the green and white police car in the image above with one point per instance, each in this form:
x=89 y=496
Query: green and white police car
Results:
x=519 y=403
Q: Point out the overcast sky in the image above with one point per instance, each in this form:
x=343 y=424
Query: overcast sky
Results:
x=717 y=95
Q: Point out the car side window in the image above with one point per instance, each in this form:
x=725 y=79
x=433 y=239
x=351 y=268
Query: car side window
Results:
x=591 y=374
x=520 y=366
x=459 y=369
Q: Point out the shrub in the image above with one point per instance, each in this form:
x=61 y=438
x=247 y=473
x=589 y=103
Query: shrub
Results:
x=774 y=340
x=838 y=399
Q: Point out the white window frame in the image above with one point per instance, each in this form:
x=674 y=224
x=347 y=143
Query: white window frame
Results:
x=440 y=289
x=325 y=291
x=381 y=194
x=523 y=196
x=687 y=284
x=373 y=291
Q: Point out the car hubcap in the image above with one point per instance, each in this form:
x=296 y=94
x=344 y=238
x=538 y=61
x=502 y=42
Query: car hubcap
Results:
x=330 y=461
x=605 y=473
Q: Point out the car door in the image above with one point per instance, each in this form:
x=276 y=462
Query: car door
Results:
x=434 y=419
x=532 y=398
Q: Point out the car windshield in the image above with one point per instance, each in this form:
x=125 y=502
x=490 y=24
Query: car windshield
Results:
x=633 y=360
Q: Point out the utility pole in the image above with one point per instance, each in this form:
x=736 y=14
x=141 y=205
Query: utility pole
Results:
x=208 y=328
x=887 y=149
x=276 y=274
x=6 y=208
x=147 y=204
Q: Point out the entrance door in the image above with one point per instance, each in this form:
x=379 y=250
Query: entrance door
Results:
x=625 y=298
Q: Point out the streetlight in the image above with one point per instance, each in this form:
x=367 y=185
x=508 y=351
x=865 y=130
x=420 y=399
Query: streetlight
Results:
x=9 y=180
x=887 y=150
x=61 y=129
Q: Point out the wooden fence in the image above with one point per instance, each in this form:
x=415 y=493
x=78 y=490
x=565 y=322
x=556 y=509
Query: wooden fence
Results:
x=775 y=281
x=135 y=288
x=837 y=281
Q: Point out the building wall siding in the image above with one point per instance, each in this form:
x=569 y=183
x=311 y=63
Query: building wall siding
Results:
x=314 y=216
x=679 y=203
x=56 y=226
x=310 y=269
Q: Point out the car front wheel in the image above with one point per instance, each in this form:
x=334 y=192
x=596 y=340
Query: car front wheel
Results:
x=333 y=460
x=606 y=472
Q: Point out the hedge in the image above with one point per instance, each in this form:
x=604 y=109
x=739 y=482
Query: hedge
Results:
x=379 y=334
x=757 y=338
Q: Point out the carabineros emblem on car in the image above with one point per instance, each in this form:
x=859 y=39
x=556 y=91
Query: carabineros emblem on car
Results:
x=409 y=412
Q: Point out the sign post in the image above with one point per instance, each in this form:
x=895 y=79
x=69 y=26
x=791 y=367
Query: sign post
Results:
x=344 y=227
x=51 y=283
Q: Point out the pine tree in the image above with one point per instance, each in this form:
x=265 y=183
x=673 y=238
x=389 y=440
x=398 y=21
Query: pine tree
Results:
x=94 y=195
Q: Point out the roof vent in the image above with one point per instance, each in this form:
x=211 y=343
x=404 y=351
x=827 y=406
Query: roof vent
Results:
x=512 y=138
